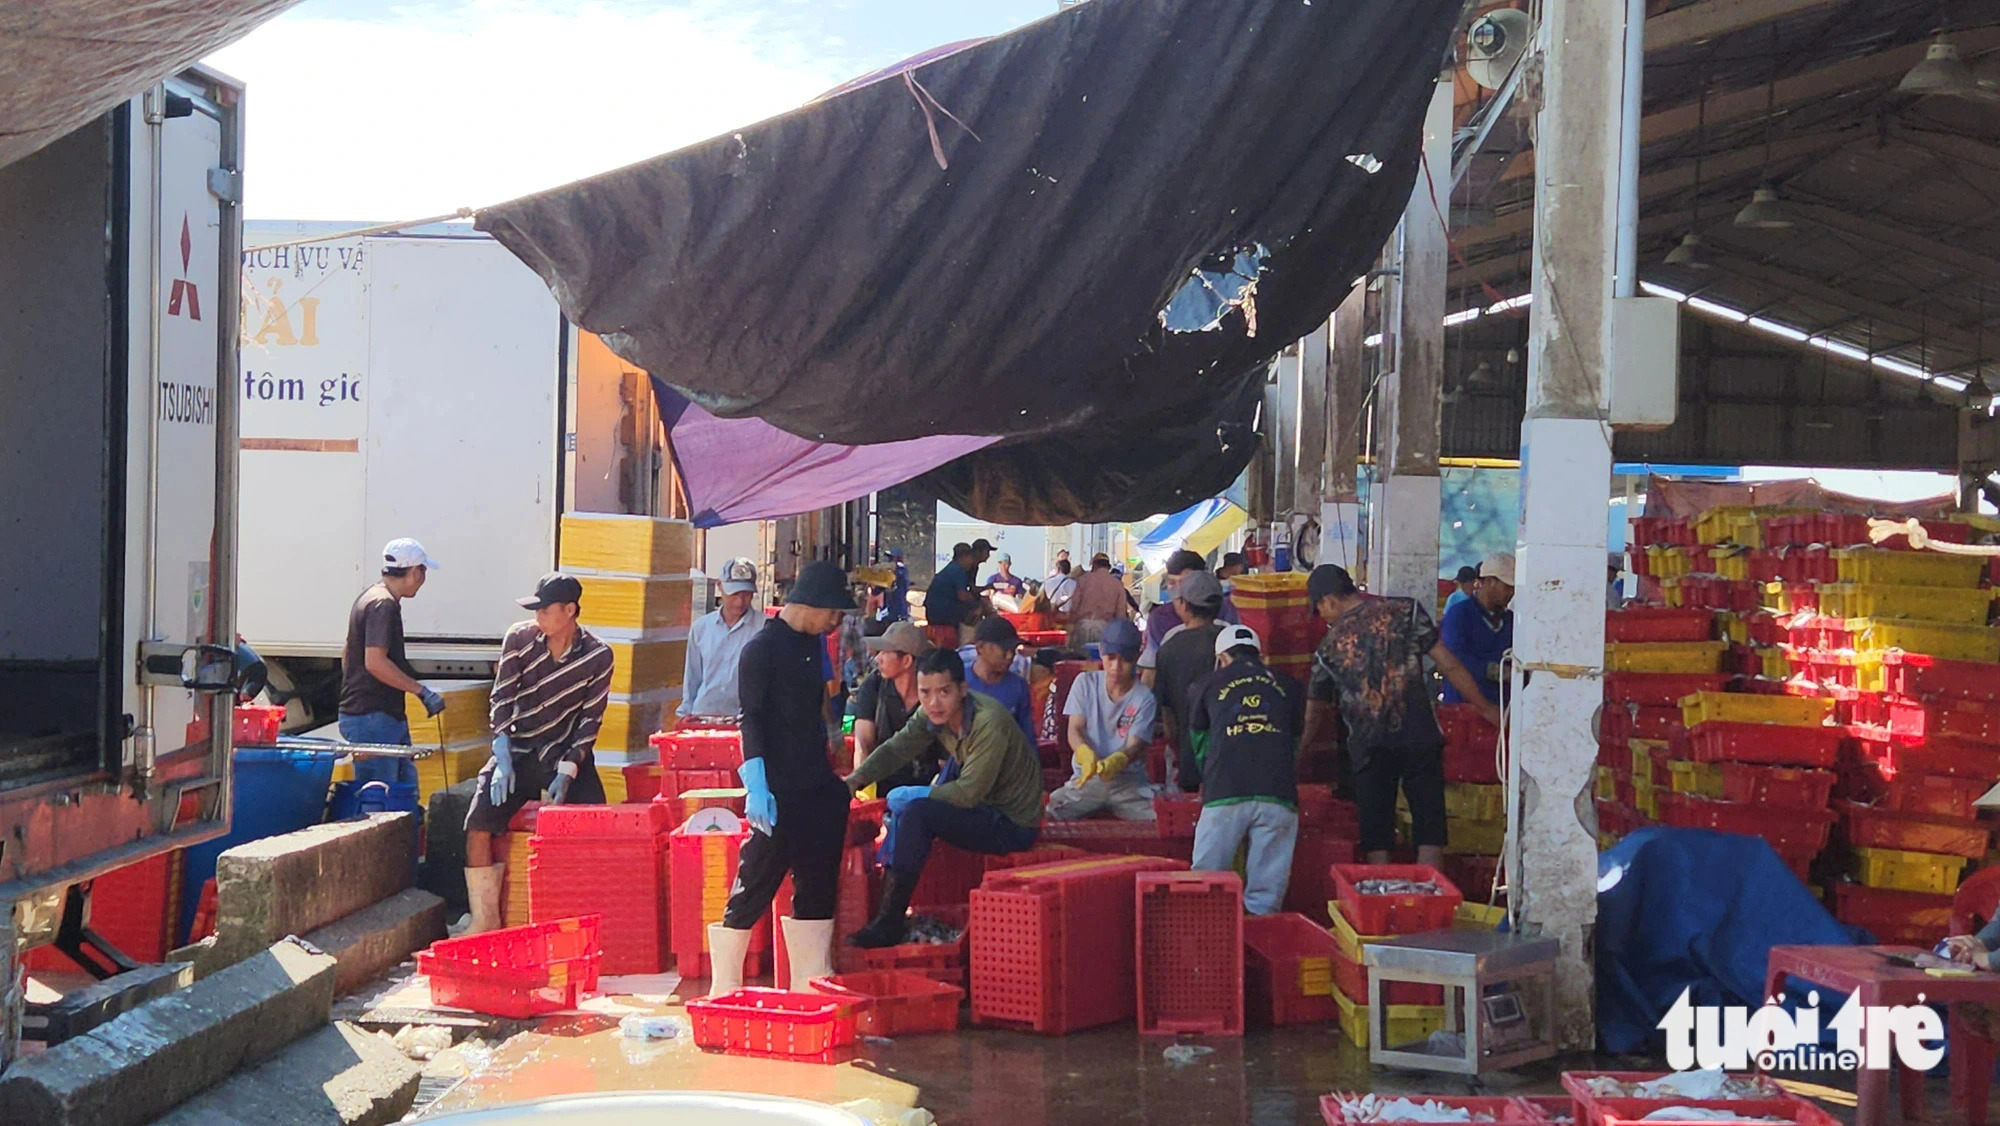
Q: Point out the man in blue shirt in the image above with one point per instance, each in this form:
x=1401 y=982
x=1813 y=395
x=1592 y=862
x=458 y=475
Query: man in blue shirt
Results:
x=1480 y=630
x=950 y=600
x=896 y=601
x=1467 y=581
x=990 y=671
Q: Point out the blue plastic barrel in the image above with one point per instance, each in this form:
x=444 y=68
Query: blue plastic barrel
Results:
x=358 y=799
x=276 y=791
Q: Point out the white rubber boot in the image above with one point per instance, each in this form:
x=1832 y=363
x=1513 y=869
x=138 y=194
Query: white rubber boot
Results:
x=809 y=946
x=726 y=949
x=482 y=889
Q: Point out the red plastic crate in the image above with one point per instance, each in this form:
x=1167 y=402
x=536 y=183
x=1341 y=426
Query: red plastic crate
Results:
x=1659 y=623
x=700 y=748
x=1918 y=721
x=1394 y=914
x=1589 y=1106
x=1919 y=677
x=1501 y=1109
x=1939 y=794
x=1659 y=689
x=1474 y=876
x=1174 y=815
x=1664 y=531
x=1784 y=787
x=945 y=962
x=1351 y=978
x=674 y=783
x=1052 y=945
x=1319 y=809
x=950 y=873
x=1314 y=854
x=1913 y=832
x=893 y=1003
x=135 y=908
x=642 y=781
x=1551 y=1110
x=864 y=820
x=1287 y=963
x=641 y=819
x=516 y=971
x=1190 y=953
x=1771 y=744
x=774 y=1023
x=257 y=725
x=1883 y=911
x=1893 y=756
x=699 y=895
x=620 y=882
x=1105 y=836
x=1466 y=733
x=1789 y=831
x=1629 y=1112
x=855 y=896
x=1651 y=721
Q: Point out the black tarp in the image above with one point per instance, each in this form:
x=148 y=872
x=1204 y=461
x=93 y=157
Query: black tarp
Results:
x=822 y=272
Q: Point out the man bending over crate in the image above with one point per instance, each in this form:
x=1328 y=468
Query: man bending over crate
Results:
x=549 y=692
x=988 y=798
x=1243 y=725
x=796 y=805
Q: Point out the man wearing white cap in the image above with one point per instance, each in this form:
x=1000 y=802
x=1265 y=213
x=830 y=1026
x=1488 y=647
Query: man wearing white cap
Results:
x=1480 y=630
x=375 y=674
x=1244 y=722
x=715 y=644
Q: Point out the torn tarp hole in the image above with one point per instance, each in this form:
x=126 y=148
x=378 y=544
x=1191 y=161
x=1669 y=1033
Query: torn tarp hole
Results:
x=1365 y=161
x=1221 y=283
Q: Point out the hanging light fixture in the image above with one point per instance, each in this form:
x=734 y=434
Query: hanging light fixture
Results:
x=1941 y=73
x=1765 y=211
x=1688 y=255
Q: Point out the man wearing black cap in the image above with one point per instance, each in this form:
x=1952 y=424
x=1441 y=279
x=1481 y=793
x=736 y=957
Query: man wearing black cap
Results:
x=950 y=601
x=1467 y=581
x=797 y=805
x=990 y=671
x=549 y=692
x=1371 y=663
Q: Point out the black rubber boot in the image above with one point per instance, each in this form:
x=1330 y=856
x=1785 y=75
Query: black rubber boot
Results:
x=890 y=926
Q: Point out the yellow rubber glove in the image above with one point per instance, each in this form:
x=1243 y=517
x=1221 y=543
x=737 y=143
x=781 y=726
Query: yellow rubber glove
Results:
x=1112 y=765
x=1086 y=763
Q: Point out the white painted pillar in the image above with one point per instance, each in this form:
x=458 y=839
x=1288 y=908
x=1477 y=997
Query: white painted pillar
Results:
x=1565 y=486
x=1407 y=501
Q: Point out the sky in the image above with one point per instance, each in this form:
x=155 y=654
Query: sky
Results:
x=382 y=111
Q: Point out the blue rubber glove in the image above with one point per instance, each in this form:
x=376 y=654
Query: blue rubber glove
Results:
x=433 y=703
x=559 y=785
x=901 y=797
x=760 y=807
x=502 y=785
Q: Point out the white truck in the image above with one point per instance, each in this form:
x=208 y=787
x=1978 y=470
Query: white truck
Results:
x=118 y=525
x=410 y=384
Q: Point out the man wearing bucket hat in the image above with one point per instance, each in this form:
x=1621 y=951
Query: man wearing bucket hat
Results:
x=1479 y=631
x=1111 y=718
x=796 y=804
x=374 y=673
x=715 y=644
x=550 y=688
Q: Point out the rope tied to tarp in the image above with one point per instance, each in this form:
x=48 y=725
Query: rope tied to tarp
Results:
x=927 y=102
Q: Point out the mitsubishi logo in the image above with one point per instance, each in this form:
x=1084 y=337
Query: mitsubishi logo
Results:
x=181 y=284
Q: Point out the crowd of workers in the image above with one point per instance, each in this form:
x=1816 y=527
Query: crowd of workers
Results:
x=947 y=723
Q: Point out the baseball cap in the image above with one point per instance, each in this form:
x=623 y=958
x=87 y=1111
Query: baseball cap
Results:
x=739 y=576
x=554 y=588
x=406 y=553
x=981 y=544
x=996 y=630
x=895 y=553
x=1003 y=557
x=1121 y=637
x=1499 y=565
x=1328 y=578
x=1184 y=560
x=822 y=585
x=1202 y=590
x=902 y=637
x=1232 y=636
x=1467 y=575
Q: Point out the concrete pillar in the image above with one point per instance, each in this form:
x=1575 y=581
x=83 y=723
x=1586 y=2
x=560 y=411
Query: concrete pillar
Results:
x=1565 y=485
x=1284 y=430
x=1346 y=431
x=1410 y=494
x=1315 y=364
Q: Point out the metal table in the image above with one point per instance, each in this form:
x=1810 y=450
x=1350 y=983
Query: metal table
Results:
x=1470 y=962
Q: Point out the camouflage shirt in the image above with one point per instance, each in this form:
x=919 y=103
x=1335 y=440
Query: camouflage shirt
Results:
x=1372 y=664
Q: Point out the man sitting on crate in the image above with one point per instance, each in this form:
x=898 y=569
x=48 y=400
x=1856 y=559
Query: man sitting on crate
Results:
x=1111 y=718
x=1371 y=661
x=988 y=799
x=1243 y=725
x=549 y=692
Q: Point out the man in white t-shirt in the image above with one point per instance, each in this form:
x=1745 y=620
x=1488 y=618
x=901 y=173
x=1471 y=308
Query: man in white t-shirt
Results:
x=1111 y=720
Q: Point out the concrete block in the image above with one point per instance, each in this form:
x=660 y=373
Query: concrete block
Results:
x=338 y=1076
x=298 y=882
x=140 y=1065
x=376 y=938
x=81 y=1010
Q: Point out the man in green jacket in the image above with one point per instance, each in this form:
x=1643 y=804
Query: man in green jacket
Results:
x=987 y=799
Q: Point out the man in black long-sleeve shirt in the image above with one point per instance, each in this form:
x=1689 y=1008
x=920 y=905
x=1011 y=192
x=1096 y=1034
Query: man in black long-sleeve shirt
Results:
x=797 y=805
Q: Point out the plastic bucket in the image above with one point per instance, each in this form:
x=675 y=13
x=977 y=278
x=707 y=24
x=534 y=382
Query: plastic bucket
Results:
x=275 y=791
x=353 y=799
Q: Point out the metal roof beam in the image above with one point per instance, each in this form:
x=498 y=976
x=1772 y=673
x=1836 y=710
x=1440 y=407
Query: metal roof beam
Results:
x=1708 y=19
x=1738 y=263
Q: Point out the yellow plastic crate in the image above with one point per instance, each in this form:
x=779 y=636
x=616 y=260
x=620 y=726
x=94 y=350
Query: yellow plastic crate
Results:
x=613 y=778
x=1776 y=667
x=1667 y=562
x=625 y=603
x=1733 y=628
x=1987 y=525
x=1740 y=523
x=1269 y=592
x=448 y=767
x=1665 y=656
x=626 y=545
x=1642 y=756
x=1778 y=597
x=1734 y=707
x=1607 y=784
x=646 y=666
x=1464 y=836
x=1732 y=563
x=1702 y=779
x=1467 y=799
x=1671 y=593
x=1645 y=797
x=1345 y=939
x=1898 y=870
x=1956 y=605
x=628 y=727
x=1908 y=568
x=514 y=893
x=1935 y=639
x=1478 y=917
x=466 y=718
x=1407 y=1024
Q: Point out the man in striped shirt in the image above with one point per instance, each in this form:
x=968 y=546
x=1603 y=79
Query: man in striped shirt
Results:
x=549 y=691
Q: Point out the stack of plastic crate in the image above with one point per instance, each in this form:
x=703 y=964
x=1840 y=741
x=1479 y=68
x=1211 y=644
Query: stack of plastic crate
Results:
x=1288 y=970
x=135 y=908
x=1653 y=657
x=1276 y=607
x=1053 y=946
x=1190 y=954
x=460 y=737
x=609 y=861
x=688 y=759
x=701 y=866
x=1773 y=757
x=515 y=907
x=1329 y=829
x=638 y=598
x=1361 y=914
